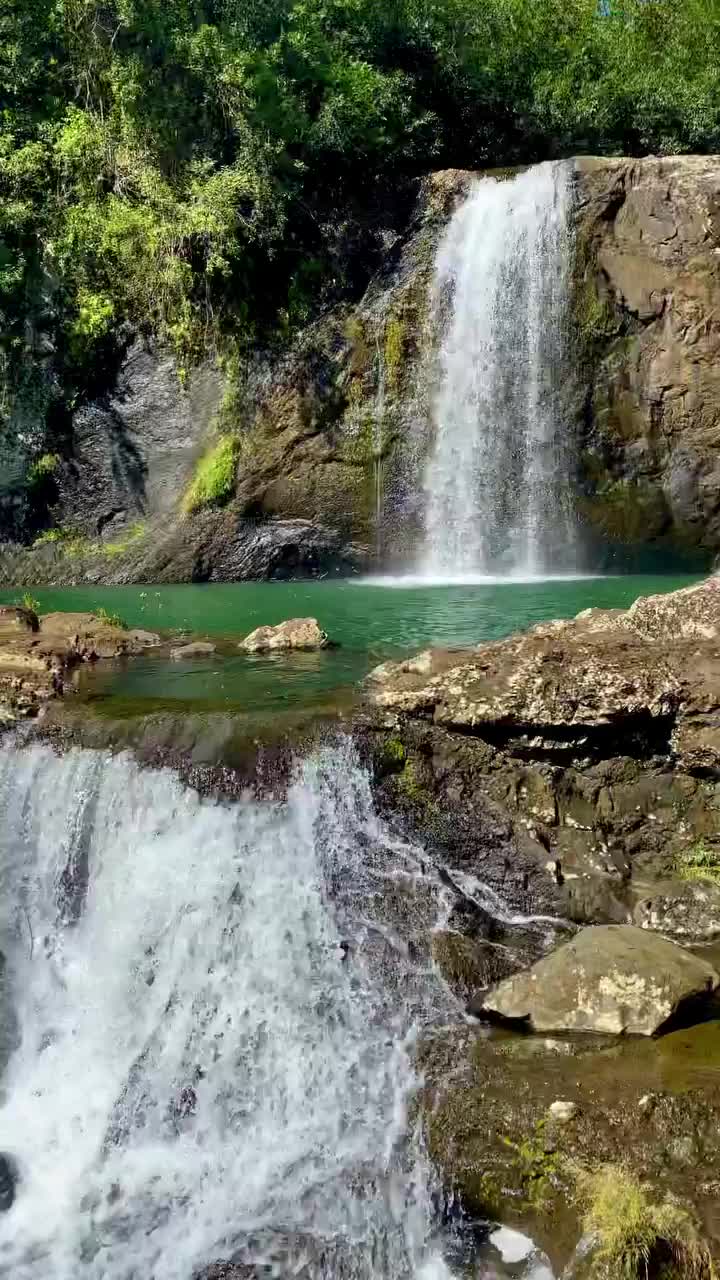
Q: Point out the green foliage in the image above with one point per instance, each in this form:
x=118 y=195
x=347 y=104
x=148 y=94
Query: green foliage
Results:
x=214 y=479
x=205 y=173
x=110 y=619
x=27 y=601
x=637 y=1235
x=43 y=467
x=699 y=863
x=537 y=1164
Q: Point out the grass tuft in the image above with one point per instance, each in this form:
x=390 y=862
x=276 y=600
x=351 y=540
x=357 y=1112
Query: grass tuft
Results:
x=699 y=863
x=110 y=619
x=637 y=1235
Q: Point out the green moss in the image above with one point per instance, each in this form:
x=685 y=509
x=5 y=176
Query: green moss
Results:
x=69 y=541
x=129 y=539
x=699 y=863
x=390 y=758
x=360 y=357
x=214 y=479
x=412 y=788
x=628 y=511
x=394 y=350
x=638 y=1235
x=44 y=467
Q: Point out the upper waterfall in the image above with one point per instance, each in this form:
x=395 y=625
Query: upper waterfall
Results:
x=497 y=482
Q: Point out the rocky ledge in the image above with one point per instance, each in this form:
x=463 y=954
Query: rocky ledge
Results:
x=37 y=654
x=565 y=777
x=576 y=765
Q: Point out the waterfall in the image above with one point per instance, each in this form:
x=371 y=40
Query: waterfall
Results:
x=497 y=482
x=210 y=1049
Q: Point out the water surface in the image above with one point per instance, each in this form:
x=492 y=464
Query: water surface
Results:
x=369 y=621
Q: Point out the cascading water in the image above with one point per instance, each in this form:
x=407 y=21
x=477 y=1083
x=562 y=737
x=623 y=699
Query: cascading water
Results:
x=199 y=1068
x=497 y=482
x=209 y=1012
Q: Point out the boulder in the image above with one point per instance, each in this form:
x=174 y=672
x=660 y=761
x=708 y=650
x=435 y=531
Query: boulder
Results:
x=197 y=649
x=84 y=637
x=611 y=978
x=296 y=633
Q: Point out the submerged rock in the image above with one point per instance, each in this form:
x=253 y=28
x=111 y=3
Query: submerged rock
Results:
x=614 y=979
x=296 y=633
x=197 y=649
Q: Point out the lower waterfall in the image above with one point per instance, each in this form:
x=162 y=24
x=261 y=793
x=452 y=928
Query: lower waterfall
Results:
x=497 y=492
x=208 y=1059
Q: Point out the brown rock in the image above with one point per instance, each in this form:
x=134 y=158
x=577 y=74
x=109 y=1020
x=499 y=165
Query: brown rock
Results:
x=648 y=300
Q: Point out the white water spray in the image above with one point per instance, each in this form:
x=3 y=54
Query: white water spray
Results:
x=497 y=483
x=202 y=1069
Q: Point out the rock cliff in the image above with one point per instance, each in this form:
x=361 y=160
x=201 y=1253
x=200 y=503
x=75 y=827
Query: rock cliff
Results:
x=648 y=308
x=329 y=441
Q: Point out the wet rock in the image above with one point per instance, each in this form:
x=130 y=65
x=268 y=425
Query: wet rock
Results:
x=145 y=639
x=197 y=649
x=586 y=752
x=614 y=979
x=296 y=633
x=34 y=665
x=17 y=618
x=485 y=1108
x=687 y=910
x=8 y=1182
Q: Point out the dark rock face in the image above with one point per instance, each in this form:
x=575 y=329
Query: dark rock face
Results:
x=134 y=450
x=648 y=292
x=211 y=546
x=8 y=1182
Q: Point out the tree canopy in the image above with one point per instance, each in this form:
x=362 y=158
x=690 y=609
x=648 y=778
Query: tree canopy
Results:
x=194 y=168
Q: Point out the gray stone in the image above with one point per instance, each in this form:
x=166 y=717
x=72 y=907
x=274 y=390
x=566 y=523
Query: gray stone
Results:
x=613 y=978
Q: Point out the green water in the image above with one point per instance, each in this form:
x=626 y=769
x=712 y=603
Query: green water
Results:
x=369 y=622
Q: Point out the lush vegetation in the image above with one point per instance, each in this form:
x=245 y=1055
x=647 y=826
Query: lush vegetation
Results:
x=641 y=1235
x=212 y=170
